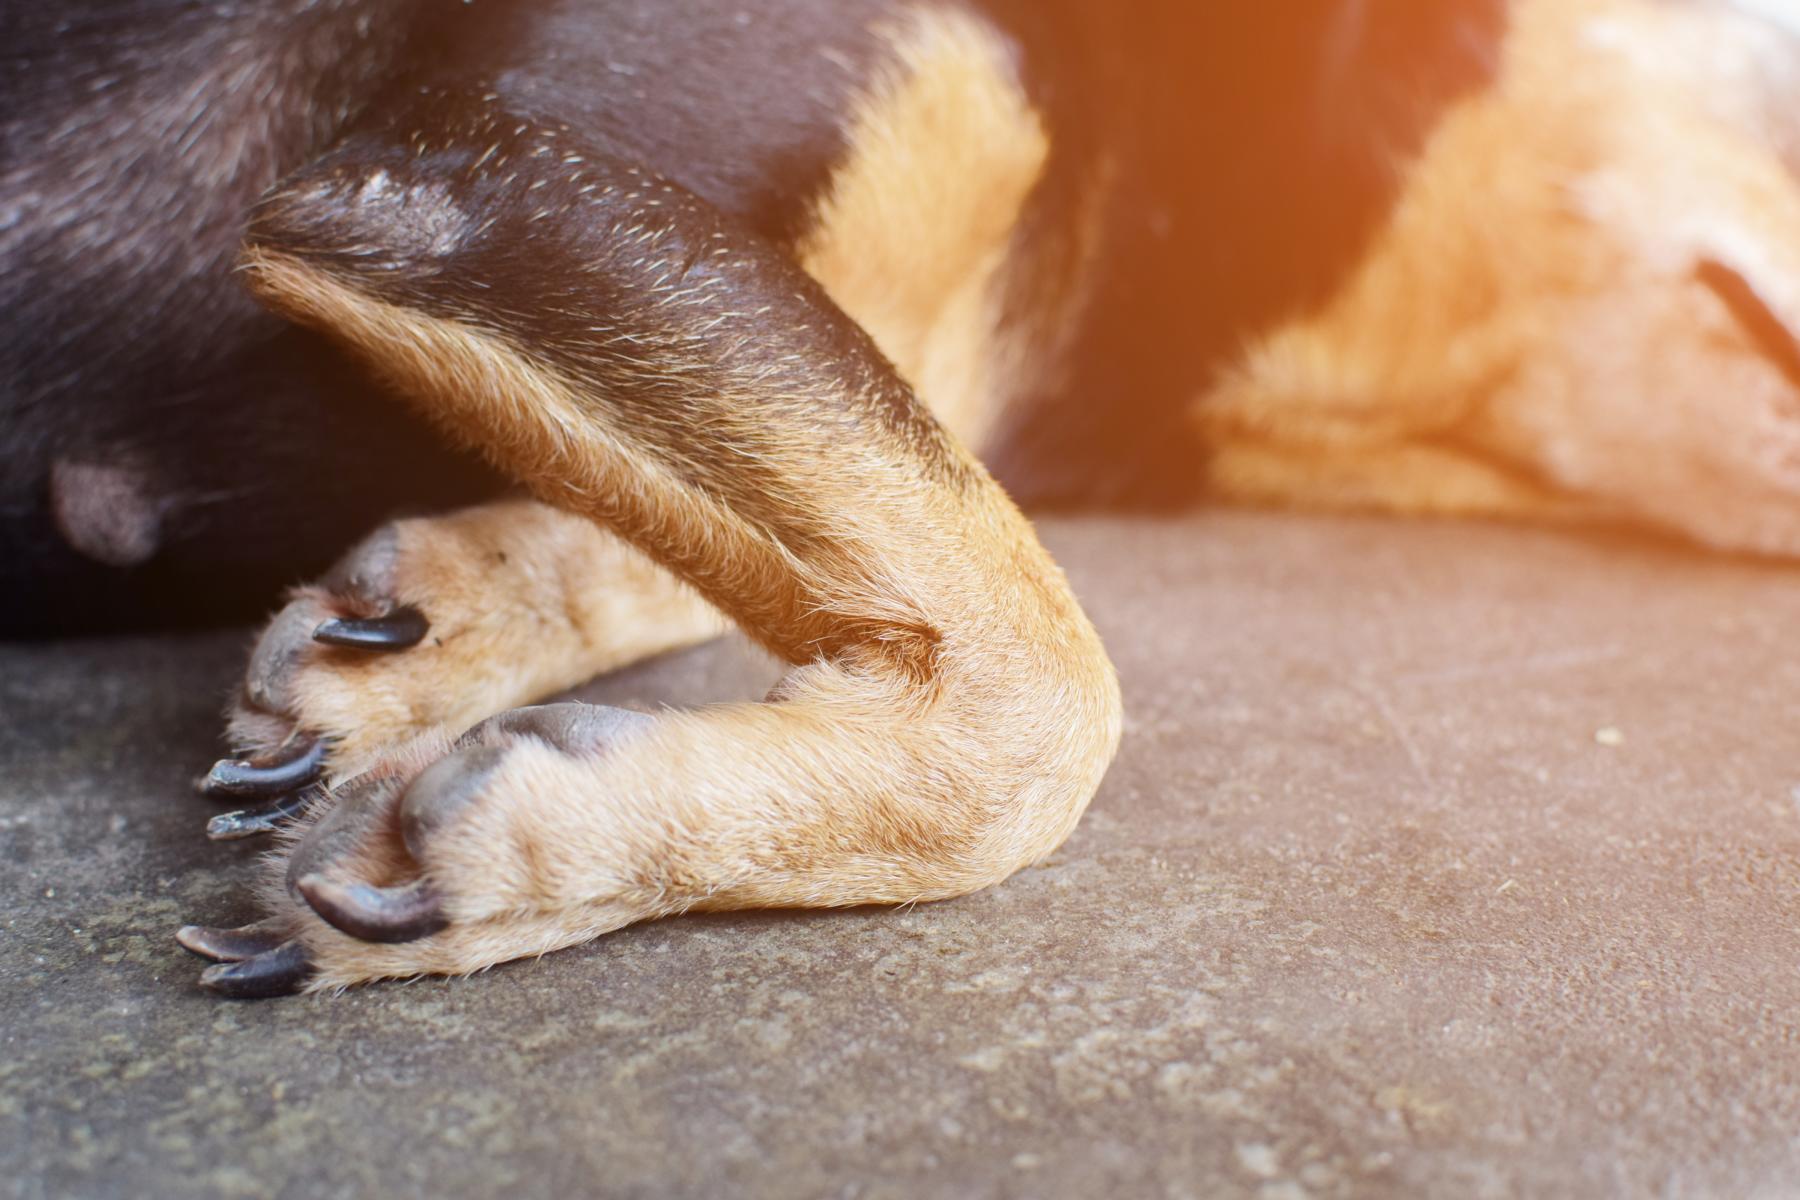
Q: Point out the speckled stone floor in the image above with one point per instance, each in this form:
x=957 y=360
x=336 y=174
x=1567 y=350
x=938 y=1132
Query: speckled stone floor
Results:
x=1439 y=860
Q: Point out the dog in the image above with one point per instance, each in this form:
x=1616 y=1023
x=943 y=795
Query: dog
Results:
x=595 y=327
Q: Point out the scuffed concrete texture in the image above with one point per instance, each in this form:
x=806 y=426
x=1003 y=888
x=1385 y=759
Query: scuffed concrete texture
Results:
x=1439 y=860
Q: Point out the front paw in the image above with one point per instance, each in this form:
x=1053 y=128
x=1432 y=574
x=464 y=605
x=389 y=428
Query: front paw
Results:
x=434 y=624
x=398 y=871
x=325 y=686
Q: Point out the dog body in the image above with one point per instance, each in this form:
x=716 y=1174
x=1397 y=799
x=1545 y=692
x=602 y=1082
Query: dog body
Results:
x=732 y=295
x=164 y=433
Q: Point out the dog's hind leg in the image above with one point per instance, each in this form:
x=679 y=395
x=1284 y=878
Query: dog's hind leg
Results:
x=633 y=356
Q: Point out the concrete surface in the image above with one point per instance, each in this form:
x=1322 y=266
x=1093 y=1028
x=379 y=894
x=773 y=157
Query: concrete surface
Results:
x=1440 y=860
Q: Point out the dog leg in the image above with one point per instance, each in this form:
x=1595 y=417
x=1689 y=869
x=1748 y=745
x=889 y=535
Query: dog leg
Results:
x=442 y=622
x=631 y=355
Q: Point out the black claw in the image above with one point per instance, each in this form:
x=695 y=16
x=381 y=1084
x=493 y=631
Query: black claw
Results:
x=386 y=915
x=230 y=945
x=250 y=822
x=359 y=812
x=401 y=629
x=278 y=972
x=250 y=779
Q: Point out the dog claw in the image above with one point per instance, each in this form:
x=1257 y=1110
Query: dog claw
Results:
x=386 y=915
x=401 y=629
x=240 y=778
x=281 y=971
x=230 y=945
x=250 y=822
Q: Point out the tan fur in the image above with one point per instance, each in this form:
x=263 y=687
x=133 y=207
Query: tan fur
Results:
x=911 y=235
x=1526 y=336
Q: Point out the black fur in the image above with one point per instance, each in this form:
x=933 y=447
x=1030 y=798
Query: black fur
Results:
x=1252 y=148
x=137 y=136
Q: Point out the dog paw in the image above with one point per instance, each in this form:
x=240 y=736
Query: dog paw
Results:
x=436 y=623
x=419 y=865
x=351 y=664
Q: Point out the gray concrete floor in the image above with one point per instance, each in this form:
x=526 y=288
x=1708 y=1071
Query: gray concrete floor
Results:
x=1439 y=860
